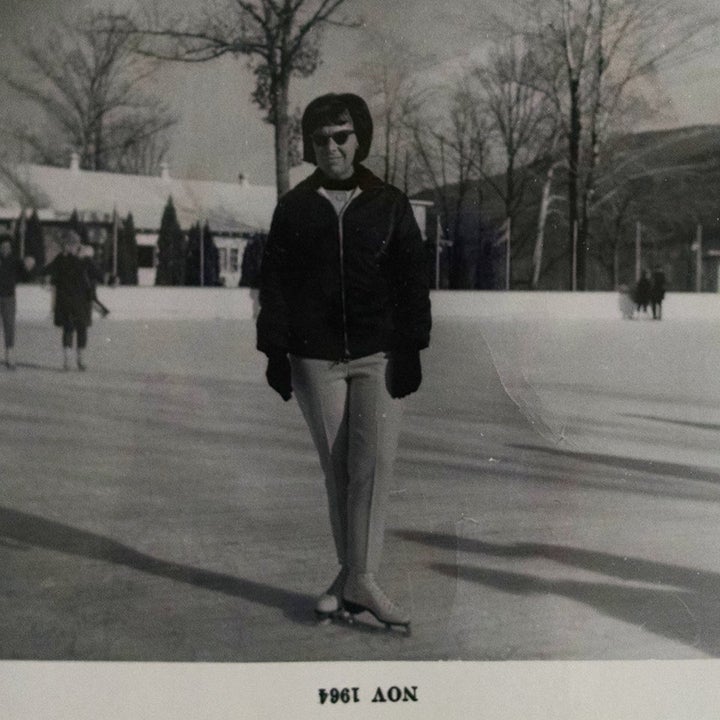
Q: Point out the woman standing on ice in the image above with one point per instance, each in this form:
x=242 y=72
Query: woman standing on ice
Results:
x=345 y=311
x=73 y=298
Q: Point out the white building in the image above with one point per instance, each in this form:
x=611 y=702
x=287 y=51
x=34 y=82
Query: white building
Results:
x=234 y=211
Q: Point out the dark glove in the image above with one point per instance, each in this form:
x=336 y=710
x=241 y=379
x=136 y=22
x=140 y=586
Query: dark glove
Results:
x=404 y=373
x=279 y=375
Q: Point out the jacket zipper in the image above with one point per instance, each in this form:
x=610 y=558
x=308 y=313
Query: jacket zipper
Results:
x=343 y=297
x=346 y=341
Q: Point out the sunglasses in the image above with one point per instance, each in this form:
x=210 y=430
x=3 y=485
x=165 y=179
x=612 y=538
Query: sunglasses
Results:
x=339 y=138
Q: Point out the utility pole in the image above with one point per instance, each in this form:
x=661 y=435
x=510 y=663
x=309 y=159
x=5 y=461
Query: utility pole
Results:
x=698 y=259
x=638 y=250
x=574 y=255
x=115 y=245
x=508 y=236
x=21 y=232
x=438 y=233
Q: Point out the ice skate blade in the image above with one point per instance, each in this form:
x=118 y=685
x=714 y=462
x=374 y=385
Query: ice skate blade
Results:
x=354 y=609
x=325 y=618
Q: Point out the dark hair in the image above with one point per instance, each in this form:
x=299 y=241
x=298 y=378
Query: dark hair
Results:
x=6 y=237
x=337 y=109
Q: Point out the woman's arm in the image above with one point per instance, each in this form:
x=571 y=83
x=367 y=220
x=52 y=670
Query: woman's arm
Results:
x=411 y=291
x=272 y=322
x=411 y=301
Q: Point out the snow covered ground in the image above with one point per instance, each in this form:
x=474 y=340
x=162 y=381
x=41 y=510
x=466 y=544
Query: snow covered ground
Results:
x=187 y=303
x=557 y=497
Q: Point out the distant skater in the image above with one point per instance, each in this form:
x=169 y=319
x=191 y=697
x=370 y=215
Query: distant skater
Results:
x=344 y=314
x=73 y=298
x=657 y=292
x=642 y=292
x=625 y=302
x=12 y=270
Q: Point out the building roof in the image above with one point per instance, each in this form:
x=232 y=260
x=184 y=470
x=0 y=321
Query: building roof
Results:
x=55 y=192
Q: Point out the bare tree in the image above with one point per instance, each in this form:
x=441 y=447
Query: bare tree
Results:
x=520 y=117
x=395 y=96
x=21 y=189
x=86 y=81
x=524 y=127
x=596 y=53
x=452 y=151
x=612 y=228
x=634 y=183
x=548 y=202
x=281 y=39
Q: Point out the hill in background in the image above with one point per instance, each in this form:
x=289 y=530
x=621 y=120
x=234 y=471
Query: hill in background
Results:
x=666 y=180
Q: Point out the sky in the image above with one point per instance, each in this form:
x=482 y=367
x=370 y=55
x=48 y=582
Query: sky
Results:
x=221 y=133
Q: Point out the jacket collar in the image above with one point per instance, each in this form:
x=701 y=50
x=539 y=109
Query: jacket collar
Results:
x=366 y=180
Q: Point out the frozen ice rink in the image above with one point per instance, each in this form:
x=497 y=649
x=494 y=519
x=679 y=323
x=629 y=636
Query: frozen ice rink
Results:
x=557 y=497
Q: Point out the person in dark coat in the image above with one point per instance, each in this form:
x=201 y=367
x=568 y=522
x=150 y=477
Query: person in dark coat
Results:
x=344 y=314
x=12 y=270
x=73 y=298
x=657 y=292
x=642 y=292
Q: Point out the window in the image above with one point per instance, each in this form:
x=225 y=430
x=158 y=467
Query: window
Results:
x=234 y=257
x=146 y=256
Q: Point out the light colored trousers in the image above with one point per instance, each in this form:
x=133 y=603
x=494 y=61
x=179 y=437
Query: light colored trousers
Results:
x=354 y=424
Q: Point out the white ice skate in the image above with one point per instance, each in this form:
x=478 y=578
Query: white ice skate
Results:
x=362 y=593
x=330 y=602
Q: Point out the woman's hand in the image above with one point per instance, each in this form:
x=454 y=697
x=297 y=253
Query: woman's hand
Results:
x=279 y=375
x=404 y=373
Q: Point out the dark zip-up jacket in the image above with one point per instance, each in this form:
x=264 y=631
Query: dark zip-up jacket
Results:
x=336 y=290
x=12 y=270
x=73 y=290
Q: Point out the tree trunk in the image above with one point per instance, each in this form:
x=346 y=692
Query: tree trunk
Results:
x=282 y=138
x=573 y=165
x=616 y=264
x=542 y=221
x=589 y=184
x=584 y=233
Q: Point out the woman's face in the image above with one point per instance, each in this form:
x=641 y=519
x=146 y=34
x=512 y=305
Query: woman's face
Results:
x=335 y=148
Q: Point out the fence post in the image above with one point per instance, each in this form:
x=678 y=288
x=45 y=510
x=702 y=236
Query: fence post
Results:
x=698 y=259
x=574 y=255
x=508 y=234
x=438 y=231
x=115 y=245
x=21 y=232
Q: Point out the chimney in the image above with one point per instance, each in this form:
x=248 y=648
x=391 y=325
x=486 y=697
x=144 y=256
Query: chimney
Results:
x=75 y=162
x=164 y=171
